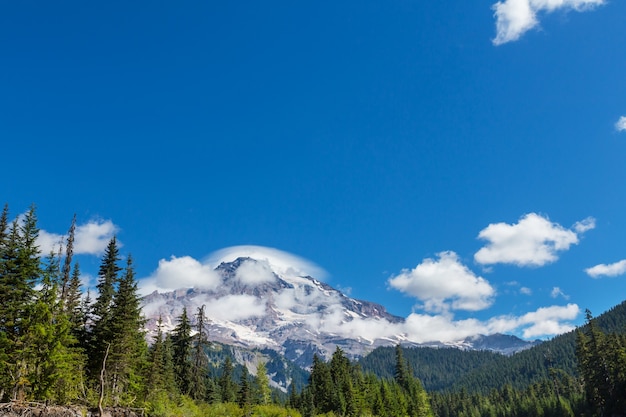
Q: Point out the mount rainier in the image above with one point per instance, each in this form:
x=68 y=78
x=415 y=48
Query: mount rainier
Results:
x=253 y=302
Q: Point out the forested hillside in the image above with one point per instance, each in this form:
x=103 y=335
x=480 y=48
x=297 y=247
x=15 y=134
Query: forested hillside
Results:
x=59 y=345
x=481 y=371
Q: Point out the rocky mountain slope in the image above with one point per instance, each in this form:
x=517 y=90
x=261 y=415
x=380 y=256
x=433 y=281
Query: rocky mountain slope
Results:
x=256 y=304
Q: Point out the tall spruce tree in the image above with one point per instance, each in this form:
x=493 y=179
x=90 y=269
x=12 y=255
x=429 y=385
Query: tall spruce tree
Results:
x=244 y=395
x=181 y=348
x=101 y=310
x=55 y=362
x=128 y=345
x=199 y=359
x=226 y=384
x=67 y=264
x=262 y=390
x=20 y=268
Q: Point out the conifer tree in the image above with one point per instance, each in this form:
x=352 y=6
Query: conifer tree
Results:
x=226 y=384
x=321 y=385
x=19 y=270
x=72 y=301
x=155 y=381
x=56 y=364
x=128 y=346
x=101 y=310
x=181 y=348
x=5 y=340
x=262 y=385
x=199 y=360
x=67 y=265
x=160 y=371
x=244 y=393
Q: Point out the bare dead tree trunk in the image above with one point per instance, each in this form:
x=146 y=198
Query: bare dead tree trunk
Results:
x=102 y=371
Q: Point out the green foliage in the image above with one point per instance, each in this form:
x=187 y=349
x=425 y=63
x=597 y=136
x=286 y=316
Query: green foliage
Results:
x=262 y=392
x=48 y=329
x=602 y=358
x=181 y=350
x=274 y=411
x=339 y=388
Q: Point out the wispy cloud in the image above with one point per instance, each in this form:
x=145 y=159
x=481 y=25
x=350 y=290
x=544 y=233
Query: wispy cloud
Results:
x=90 y=238
x=620 y=126
x=558 y=292
x=281 y=261
x=607 y=270
x=516 y=17
x=525 y=291
x=533 y=241
x=445 y=284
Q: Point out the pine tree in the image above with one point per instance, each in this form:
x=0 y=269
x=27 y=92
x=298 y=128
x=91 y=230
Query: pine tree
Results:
x=5 y=340
x=72 y=301
x=55 y=362
x=155 y=381
x=101 y=311
x=321 y=384
x=262 y=386
x=19 y=270
x=226 y=384
x=67 y=265
x=128 y=346
x=160 y=380
x=199 y=359
x=181 y=346
x=244 y=393
x=401 y=371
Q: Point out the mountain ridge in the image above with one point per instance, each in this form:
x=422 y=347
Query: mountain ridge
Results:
x=257 y=305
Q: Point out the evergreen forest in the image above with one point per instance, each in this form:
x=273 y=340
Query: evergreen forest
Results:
x=60 y=344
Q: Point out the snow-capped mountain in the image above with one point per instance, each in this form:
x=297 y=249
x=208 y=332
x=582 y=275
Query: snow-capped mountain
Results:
x=253 y=303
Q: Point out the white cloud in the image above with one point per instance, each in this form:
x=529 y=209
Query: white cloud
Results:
x=585 y=225
x=545 y=321
x=234 y=307
x=90 y=238
x=252 y=273
x=608 y=270
x=516 y=17
x=445 y=283
x=49 y=242
x=533 y=241
x=280 y=261
x=620 y=126
x=183 y=272
x=558 y=292
x=526 y=291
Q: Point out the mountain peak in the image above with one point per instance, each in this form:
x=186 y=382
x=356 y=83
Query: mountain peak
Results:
x=258 y=302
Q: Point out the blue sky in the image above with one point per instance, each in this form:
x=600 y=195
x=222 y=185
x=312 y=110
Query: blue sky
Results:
x=460 y=162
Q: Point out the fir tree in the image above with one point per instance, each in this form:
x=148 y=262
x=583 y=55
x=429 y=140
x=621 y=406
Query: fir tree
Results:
x=160 y=371
x=19 y=270
x=101 y=310
x=321 y=385
x=181 y=348
x=56 y=364
x=226 y=384
x=199 y=360
x=128 y=345
x=262 y=389
x=244 y=393
x=67 y=265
